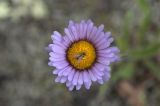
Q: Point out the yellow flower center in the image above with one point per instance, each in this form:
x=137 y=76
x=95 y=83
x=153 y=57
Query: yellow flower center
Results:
x=81 y=54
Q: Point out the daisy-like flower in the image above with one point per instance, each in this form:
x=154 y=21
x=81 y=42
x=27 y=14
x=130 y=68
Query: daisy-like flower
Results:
x=82 y=55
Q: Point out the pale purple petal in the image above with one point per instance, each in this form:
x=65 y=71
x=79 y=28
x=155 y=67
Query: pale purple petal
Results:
x=106 y=76
x=71 y=87
x=71 y=75
x=78 y=87
x=99 y=66
x=68 y=83
x=58 y=79
x=66 y=41
x=60 y=64
x=100 y=81
x=99 y=38
x=56 y=36
x=67 y=32
x=67 y=72
x=99 y=30
x=74 y=32
x=63 y=79
x=84 y=31
x=55 y=71
x=103 y=61
x=60 y=73
x=80 y=79
x=57 y=55
x=104 y=42
x=88 y=84
x=60 y=44
x=58 y=49
x=85 y=76
x=89 y=29
x=96 y=75
x=93 y=32
x=71 y=23
x=93 y=78
x=75 y=79
x=56 y=59
x=100 y=73
x=80 y=31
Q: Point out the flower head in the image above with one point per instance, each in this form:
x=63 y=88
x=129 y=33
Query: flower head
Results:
x=82 y=55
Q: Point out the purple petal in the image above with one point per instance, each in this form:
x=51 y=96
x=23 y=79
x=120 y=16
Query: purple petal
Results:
x=60 y=64
x=68 y=71
x=89 y=21
x=61 y=72
x=71 y=75
x=97 y=76
x=108 y=34
x=106 y=76
x=114 y=49
x=80 y=79
x=99 y=30
x=56 y=36
x=49 y=48
x=93 y=32
x=104 y=43
x=103 y=61
x=56 y=59
x=104 y=51
x=58 y=79
x=87 y=84
x=85 y=76
x=68 y=83
x=66 y=41
x=56 y=55
x=89 y=29
x=60 y=44
x=63 y=79
x=71 y=23
x=75 y=34
x=75 y=79
x=55 y=71
x=93 y=78
x=80 y=31
x=99 y=73
x=100 y=81
x=78 y=87
x=67 y=32
x=58 y=49
x=99 y=67
x=99 y=38
x=84 y=31
x=71 y=87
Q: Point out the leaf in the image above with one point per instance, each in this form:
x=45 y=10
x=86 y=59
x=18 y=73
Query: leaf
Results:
x=123 y=40
x=144 y=52
x=153 y=68
x=126 y=71
x=145 y=20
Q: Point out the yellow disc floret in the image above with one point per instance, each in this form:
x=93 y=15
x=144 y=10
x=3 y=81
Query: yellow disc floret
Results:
x=81 y=54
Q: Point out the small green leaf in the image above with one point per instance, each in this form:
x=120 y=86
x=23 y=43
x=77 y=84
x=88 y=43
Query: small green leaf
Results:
x=144 y=52
x=153 y=68
x=126 y=71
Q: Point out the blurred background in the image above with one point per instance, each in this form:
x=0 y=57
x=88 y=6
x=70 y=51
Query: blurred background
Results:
x=25 y=29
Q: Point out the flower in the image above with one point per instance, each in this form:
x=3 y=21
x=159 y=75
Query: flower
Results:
x=82 y=55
